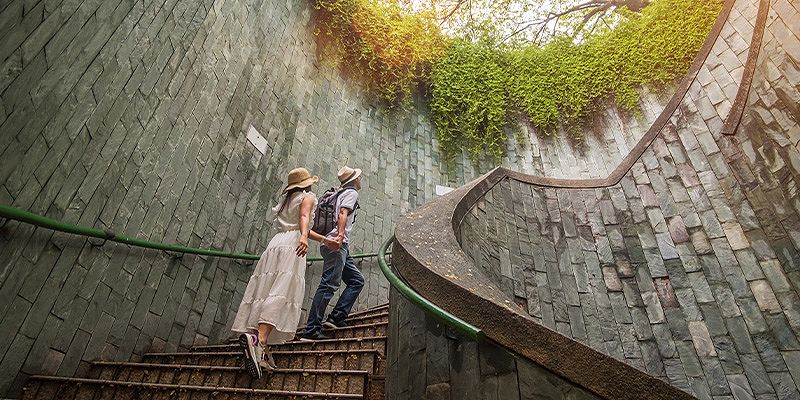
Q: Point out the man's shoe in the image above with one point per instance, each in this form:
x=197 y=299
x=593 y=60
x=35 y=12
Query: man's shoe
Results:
x=316 y=335
x=252 y=354
x=330 y=324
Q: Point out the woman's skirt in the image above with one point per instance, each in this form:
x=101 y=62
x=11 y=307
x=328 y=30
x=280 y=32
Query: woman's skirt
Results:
x=276 y=289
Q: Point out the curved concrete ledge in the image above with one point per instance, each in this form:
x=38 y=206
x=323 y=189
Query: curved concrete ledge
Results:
x=429 y=256
x=646 y=140
x=735 y=116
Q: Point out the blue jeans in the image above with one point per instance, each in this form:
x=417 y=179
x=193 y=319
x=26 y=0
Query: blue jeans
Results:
x=337 y=266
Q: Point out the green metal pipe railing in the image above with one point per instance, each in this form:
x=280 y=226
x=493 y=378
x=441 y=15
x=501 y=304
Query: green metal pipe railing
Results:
x=414 y=297
x=44 y=222
x=17 y=214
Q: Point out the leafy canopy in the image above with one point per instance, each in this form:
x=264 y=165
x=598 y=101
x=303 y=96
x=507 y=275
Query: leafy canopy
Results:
x=480 y=84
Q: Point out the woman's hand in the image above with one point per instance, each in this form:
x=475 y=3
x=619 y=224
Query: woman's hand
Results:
x=302 y=248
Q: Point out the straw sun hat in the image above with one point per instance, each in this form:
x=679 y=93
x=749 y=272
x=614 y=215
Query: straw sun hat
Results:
x=298 y=178
x=347 y=174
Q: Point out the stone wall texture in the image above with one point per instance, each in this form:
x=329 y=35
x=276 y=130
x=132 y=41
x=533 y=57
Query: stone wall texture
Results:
x=131 y=116
x=428 y=360
x=689 y=268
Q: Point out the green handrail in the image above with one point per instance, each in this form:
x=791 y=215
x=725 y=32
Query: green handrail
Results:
x=17 y=214
x=44 y=222
x=409 y=293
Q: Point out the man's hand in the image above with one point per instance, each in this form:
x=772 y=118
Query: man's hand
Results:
x=332 y=244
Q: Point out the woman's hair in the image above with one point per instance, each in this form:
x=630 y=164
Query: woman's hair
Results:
x=289 y=194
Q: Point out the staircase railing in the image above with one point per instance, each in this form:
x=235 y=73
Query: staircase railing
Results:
x=17 y=214
x=414 y=297
x=13 y=213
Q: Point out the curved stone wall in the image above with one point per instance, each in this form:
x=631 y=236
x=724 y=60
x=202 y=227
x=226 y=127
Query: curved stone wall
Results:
x=428 y=360
x=686 y=268
x=132 y=116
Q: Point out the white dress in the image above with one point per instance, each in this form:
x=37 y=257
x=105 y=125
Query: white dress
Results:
x=275 y=292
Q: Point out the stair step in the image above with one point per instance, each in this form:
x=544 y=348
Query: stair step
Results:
x=382 y=318
x=383 y=308
x=367 y=342
x=303 y=380
x=354 y=331
x=368 y=318
x=364 y=321
x=50 y=387
x=356 y=359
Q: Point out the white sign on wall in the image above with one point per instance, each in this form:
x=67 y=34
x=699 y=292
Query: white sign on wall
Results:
x=443 y=190
x=257 y=140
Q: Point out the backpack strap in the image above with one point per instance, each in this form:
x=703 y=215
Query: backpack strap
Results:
x=342 y=190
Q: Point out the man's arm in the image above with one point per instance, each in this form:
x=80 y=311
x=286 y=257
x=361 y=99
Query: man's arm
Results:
x=349 y=198
x=341 y=223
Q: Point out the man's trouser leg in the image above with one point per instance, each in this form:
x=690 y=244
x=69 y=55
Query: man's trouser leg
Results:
x=332 y=266
x=354 y=280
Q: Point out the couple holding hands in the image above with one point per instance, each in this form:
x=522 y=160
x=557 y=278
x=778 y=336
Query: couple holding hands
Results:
x=270 y=309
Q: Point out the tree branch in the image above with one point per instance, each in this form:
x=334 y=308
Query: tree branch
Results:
x=591 y=14
x=555 y=16
x=458 y=5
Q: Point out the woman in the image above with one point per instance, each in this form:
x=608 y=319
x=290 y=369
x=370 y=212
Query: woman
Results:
x=273 y=299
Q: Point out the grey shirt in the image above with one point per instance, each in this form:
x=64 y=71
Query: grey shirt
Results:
x=346 y=199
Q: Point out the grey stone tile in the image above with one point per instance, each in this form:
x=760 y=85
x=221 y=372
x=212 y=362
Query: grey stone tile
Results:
x=783 y=333
x=715 y=376
x=700 y=388
x=728 y=356
x=688 y=356
x=666 y=246
x=785 y=388
x=775 y=275
x=740 y=387
x=769 y=352
x=756 y=375
x=792 y=359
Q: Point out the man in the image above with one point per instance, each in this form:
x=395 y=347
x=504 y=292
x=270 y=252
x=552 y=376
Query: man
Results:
x=338 y=265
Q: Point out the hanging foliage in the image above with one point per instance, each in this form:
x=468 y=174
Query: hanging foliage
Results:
x=382 y=45
x=483 y=86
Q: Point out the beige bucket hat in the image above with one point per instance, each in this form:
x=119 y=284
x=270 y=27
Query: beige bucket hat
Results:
x=347 y=174
x=299 y=177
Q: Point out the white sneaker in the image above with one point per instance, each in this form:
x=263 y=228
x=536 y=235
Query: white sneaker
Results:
x=249 y=345
x=266 y=361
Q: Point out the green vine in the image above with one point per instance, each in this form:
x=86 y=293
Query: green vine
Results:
x=479 y=91
x=386 y=48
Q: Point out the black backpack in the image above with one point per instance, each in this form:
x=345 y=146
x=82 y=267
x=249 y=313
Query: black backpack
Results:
x=326 y=216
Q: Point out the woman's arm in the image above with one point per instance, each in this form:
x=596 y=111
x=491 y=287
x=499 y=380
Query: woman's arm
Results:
x=305 y=231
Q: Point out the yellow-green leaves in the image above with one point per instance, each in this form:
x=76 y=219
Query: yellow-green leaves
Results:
x=388 y=49
x=479 y=91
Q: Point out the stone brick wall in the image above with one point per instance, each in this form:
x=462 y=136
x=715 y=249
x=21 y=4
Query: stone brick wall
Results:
x=427 y=360
x=131 y=116
x=689 y=268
